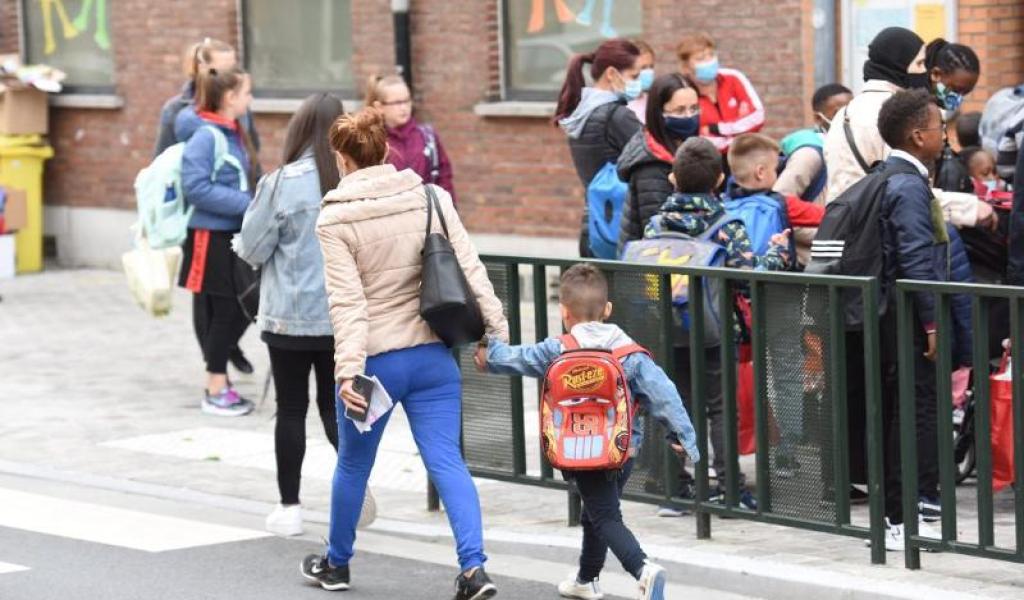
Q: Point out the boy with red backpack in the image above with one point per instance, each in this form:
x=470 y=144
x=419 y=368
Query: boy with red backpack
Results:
x=593 y=380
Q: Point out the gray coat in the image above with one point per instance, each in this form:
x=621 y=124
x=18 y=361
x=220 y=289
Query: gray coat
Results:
x=278 y=234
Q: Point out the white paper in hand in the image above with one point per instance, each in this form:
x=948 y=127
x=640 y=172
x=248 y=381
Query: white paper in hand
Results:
x=380 y=404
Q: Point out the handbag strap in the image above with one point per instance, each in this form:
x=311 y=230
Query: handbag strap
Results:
x=848 y=130
x=432 y=201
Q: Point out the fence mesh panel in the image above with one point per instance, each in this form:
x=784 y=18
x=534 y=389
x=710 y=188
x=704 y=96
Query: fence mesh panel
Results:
x=800 y=420
x=487 y=400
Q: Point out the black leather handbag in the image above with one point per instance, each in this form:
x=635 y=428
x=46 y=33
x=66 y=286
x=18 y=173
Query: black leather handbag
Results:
x=447 y=303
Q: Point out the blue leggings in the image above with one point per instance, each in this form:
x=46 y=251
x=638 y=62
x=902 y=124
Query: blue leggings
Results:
x=426 y=380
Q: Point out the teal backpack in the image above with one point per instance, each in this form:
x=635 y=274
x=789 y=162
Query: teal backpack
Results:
x=163 y=212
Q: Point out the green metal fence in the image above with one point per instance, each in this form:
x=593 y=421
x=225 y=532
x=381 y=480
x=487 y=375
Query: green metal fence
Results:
x=799 y=353
x=980 y=296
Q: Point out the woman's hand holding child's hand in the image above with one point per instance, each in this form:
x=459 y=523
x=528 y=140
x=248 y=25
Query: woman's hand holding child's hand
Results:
x=480 y=358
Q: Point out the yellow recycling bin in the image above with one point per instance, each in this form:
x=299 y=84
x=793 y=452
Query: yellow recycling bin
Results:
x=21 y=167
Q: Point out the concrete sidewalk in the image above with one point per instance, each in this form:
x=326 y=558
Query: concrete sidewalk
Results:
x=92 y=388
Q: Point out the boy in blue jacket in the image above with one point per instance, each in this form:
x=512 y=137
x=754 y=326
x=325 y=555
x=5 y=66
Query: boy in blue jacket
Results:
x=585 y=306
x=915 y=245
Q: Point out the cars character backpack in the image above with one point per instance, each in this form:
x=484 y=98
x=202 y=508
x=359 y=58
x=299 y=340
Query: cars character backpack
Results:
x=586 y=413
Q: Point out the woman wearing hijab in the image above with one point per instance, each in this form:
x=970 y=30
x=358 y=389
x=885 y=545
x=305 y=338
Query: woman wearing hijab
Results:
x=896 y=61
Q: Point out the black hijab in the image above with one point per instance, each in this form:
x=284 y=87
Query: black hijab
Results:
x=890 y=55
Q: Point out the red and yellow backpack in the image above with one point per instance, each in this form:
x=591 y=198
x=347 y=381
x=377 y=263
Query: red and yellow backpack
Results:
x=586 y=413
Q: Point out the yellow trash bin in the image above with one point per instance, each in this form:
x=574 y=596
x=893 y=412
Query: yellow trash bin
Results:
x=21 y=167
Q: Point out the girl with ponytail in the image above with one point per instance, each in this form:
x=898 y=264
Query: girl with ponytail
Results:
x=198 y=59
x=216 y=180
x=595 y=118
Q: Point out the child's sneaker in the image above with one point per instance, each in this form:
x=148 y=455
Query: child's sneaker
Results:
x=747 y=499
x=652 y=582
x=573 y=588
x=227 y=403
x=475 y=587
x=317 y=569
x=285 y=520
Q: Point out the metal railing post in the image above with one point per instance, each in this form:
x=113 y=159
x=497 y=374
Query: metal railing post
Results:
x=876 y=430
x=698 y=387
x=908 y=426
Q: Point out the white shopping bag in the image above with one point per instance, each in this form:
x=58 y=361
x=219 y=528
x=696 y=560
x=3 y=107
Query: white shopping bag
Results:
x=150 y=276
x=380 y=404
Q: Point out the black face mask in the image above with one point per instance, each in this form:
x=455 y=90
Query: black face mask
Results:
x=919 y=80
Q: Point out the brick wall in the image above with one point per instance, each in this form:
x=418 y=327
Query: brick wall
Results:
x=513 y=175
x=995 y=30
x=8 y=27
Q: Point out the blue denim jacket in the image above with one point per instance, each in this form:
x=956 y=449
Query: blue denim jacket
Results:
x=278 y=233
x=647 y=382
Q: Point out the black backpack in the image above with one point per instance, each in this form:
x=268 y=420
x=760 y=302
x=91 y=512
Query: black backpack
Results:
x=849 y=240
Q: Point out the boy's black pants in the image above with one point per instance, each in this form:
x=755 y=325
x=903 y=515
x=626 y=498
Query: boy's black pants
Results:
x=926 y=419
x=603 y=528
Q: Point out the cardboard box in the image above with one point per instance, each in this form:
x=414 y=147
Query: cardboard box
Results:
x=23 y=110
x=6 y=256
x=15 y=210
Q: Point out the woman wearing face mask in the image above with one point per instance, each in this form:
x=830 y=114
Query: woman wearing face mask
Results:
x=596 y=118
x=954 y=70
x=896 y=61
x=639 y=106
x=729 y=104
x=673 y=116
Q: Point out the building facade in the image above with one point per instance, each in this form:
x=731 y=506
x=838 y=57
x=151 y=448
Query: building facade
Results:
x=485 y=73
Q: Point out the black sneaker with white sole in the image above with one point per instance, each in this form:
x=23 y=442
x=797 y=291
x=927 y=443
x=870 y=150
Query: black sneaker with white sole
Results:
x=930 y=508
x=316 y=569
x=475 y=587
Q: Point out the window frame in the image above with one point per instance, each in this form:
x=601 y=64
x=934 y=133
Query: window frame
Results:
x=264 y=93
x=105 y=90
x=850 y=63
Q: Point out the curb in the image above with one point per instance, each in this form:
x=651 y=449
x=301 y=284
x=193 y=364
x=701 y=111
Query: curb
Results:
x=772 y=580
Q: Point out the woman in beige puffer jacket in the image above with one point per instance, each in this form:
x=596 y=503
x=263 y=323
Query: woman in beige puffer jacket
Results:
x=371 y=230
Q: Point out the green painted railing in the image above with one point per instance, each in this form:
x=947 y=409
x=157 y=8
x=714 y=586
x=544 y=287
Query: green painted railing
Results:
x=979 y=296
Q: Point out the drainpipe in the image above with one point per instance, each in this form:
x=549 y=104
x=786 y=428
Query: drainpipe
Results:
x=403 y=39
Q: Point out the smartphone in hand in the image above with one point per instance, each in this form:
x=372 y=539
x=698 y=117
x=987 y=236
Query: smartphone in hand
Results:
x=363 y=386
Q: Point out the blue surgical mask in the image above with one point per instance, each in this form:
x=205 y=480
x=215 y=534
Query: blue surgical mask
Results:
x=950 y=100
x=991 y=184
x=683 y=128
x=634 y=88
x=706 y=72
x=646 y=79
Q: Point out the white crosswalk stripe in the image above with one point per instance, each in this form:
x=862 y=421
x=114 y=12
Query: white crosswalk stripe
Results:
x=110 y=525
x=11 y=568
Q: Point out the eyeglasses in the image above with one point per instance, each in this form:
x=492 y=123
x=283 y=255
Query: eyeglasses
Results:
x=684 y=112
x=942 y=127
x=397 y=102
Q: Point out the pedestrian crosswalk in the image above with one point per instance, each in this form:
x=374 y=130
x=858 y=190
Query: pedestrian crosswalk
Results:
x=398 y=465
x=111 y=525
x=10 y=568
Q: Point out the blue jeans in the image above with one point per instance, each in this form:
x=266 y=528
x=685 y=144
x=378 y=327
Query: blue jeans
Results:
x=427 y=382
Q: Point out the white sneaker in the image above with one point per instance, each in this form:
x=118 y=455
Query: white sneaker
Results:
x=926 y=530
x=893 y=537
x=572 y=588
x=285 y=520
x=652 y=582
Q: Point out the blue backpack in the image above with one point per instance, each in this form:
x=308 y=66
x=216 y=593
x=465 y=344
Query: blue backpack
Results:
x=668 y=248
x=763 y=215
x=605 y=196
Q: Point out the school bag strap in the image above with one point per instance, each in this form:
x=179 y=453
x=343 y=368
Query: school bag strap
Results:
x=222 y=155
x=570 y=343
x=848 y=130
x=622 y=352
